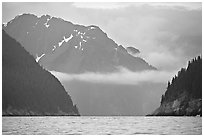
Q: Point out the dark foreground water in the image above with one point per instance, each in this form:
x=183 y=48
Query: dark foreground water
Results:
x=101 y=125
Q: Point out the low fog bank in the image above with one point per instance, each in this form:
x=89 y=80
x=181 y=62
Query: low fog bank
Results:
x=123 y=76
x=110 y=99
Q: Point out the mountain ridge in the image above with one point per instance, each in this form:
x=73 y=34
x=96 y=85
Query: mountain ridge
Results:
x=75 y=48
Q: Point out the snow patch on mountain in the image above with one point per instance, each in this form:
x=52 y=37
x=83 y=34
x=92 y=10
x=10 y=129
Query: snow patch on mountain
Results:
x=60 y=43
x=80 y=45
x=54 y=48
x=46 y=23
x=4 y=24
x=38 y=58
x=69 y=38
x=91 y=28
x=65 y=40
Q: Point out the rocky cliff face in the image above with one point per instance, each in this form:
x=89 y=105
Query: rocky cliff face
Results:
x=183 y=106
x=184 y=94
x=27 y=88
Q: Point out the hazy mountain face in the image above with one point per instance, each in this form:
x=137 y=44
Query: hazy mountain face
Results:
x=62 y=46
x=65 y=47
x=28 y=89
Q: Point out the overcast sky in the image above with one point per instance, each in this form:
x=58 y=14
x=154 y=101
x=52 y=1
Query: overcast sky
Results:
x=167 y=34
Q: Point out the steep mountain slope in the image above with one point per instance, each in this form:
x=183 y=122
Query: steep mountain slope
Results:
x=27 y=89
x=62 y=46
x=184 y=94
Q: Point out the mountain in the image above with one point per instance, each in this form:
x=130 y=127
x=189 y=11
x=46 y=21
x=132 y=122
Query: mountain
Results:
x=62 y=46
x=27 y=88
x=184 y=94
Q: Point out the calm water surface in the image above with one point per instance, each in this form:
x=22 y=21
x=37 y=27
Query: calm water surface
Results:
x=101 y=125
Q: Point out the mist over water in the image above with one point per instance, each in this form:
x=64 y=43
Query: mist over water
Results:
x=113 y=99
x=102 y=125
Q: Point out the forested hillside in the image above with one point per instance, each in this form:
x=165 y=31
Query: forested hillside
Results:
x=184 y=93
x=188 y=80
x=27 y=88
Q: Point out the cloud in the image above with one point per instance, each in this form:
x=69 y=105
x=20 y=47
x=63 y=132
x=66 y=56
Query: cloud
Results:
x=178 y=5
x=153 y=29
x=118 y=5
x=123 y=76
x=99 y=5
x=163 y=60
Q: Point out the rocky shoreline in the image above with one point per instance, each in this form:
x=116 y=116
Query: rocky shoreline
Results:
x=25 y=112
x=182 y=106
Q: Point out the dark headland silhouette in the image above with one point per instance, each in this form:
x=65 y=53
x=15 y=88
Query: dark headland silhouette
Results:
x=27 y=88
x=183 y=96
